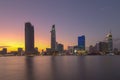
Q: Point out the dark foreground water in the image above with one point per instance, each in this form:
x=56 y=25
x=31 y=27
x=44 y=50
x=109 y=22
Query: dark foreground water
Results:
x=60 y=68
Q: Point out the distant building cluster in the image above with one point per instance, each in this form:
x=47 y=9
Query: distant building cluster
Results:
x=104 y=47
x=78 y=49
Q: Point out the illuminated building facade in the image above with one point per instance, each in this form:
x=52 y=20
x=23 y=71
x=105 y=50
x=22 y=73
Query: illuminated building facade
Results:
x=81 y=42
x=110 y=42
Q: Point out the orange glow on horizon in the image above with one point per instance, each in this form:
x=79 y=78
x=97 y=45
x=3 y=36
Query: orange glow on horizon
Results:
x=14 y=45
x=15 y=39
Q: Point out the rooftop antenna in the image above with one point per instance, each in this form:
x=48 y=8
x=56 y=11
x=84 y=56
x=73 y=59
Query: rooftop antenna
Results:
x=110 y=31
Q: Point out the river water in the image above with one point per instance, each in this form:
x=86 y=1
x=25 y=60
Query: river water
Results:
x=60 y=68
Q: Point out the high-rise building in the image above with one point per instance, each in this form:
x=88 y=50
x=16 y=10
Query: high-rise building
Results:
x=20 y=51
x=60 y=47
x=36 y=50
x=4 y=51
x=29 y=38
x=103 y=47
x=53 y=38
x=96 y=47
x=81 y=42
x=71 y=49
x=110 y=42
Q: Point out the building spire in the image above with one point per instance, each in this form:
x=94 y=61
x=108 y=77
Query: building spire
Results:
x=110 y=32
x=53 y=38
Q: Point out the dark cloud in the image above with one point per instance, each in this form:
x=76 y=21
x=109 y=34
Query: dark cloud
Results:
x=4 y=46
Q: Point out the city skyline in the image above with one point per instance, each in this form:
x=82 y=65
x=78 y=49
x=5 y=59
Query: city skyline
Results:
x=94 y=19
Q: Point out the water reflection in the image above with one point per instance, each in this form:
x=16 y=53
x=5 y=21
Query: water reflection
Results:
x=60 y=68
x=29 y=68
x=54 y=71
x=68 y=68
x=12 y=68
x=42 y=68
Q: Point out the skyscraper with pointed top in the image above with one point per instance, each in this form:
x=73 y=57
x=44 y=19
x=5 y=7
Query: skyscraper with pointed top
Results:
x=110 y=42
x=53 y=38
x=29 y=38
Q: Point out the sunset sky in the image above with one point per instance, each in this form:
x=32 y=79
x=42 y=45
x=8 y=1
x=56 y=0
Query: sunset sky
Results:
x=72 y=18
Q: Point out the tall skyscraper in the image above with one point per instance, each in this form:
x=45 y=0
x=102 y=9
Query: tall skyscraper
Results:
x=110 y=42
x=29 y=38
x=53 y=38
x=81 y=42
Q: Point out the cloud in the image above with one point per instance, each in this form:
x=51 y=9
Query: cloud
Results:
x=4 y=46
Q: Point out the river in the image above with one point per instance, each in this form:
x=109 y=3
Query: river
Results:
x=60 y=68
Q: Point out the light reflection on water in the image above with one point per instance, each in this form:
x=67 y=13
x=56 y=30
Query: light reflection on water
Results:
x=60 y=68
